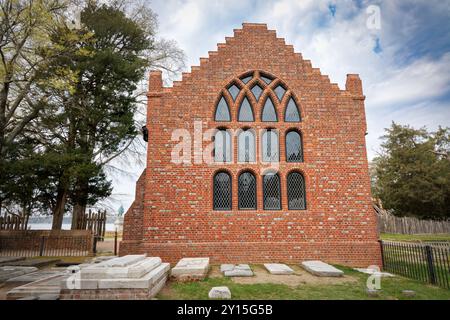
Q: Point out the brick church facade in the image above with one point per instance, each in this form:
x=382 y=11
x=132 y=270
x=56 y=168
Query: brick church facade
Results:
x=286 y=178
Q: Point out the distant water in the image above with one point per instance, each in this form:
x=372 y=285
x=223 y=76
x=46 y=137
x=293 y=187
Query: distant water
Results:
x=65 y=226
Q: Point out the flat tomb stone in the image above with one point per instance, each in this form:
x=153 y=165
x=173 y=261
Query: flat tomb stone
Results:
x=219 y=293
x=122 y=261
x=102 y=259
x=321 y=269
x=278 y=268
x=8 y=272
x=240 y=270
x=191 y=269
x=48 y=286
x=135 y=271
x=35 y=276
x=10 y=260
x=226 y=267
x=105 y=289
x=39 y=262
x=148 y=281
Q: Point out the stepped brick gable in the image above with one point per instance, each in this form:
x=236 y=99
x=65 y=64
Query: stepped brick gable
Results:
x=295 y=187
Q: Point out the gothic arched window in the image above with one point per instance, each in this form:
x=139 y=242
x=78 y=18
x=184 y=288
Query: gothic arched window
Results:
x=222 y=111
x=246 y=146
x=280 y=91
x=222 y=191
x=296 y=191
x=245 y=111
x=294 y=150
x=222 y=146
x=291 y=113
x=269 y=114
x=247 y=191
x=271 y=191
x=234 y=91
x=270 y=148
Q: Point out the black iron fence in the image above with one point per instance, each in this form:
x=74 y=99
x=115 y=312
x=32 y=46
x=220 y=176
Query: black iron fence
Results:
x=34 y=243
x=427 y=262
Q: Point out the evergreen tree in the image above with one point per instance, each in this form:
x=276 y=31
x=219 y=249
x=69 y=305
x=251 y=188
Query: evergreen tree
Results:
x=412 y=173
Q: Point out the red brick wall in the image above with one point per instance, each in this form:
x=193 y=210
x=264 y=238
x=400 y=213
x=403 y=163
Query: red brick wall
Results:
x=178 y=219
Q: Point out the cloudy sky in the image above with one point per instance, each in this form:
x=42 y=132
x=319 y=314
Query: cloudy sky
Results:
x=404 y=64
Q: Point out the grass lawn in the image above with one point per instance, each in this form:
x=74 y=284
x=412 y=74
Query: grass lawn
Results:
x=415 y=237
x=391 y=288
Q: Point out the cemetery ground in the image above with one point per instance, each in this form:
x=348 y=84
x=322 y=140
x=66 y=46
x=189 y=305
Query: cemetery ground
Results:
x=301 y=286
x=298 y=286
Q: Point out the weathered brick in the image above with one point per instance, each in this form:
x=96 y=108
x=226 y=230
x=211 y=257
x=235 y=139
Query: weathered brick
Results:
x=172 y=215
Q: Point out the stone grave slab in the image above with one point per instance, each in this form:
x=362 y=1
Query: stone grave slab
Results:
x=190 y=269
x=278 y=268
x=8 y=272
x=122 y=261
x=10 y=260
x=219 y=293
x=35 y=276
x=128 y=277
x=119 y=270
x=38 y=262
x=321 y=269
x=45 y=287
x=240 y=270
x=226 y=267
x=101 y=259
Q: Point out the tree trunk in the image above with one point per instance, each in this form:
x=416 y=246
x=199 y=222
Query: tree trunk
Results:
x=80 y=200
x=58 y=211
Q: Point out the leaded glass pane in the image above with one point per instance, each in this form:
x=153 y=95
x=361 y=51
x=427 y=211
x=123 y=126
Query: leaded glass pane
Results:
x=234 y=91
x=266 y=79
x=291 y=114
x=247 y=191
x=246 y=79
x=271 y=190
x=269 y=114
x=222 y=191
x=222 y=111
x=245 y=111
x=270 y=146
x=296 y=191
x=246 y=146
x=280 y=91
x=294 y=147
x=257 y=90
x=222 y=146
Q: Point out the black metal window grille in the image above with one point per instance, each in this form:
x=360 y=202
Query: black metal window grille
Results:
x=292 y=114
x=269 y=114
x=296 y=191
x=234 y=91
x=246 y=79
x=271 y=192
x=257 y=90
x=294 y=152
x=247 y=191
x=222 y=111
x=246 y=111
x=222 y=191
x=280 y=91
